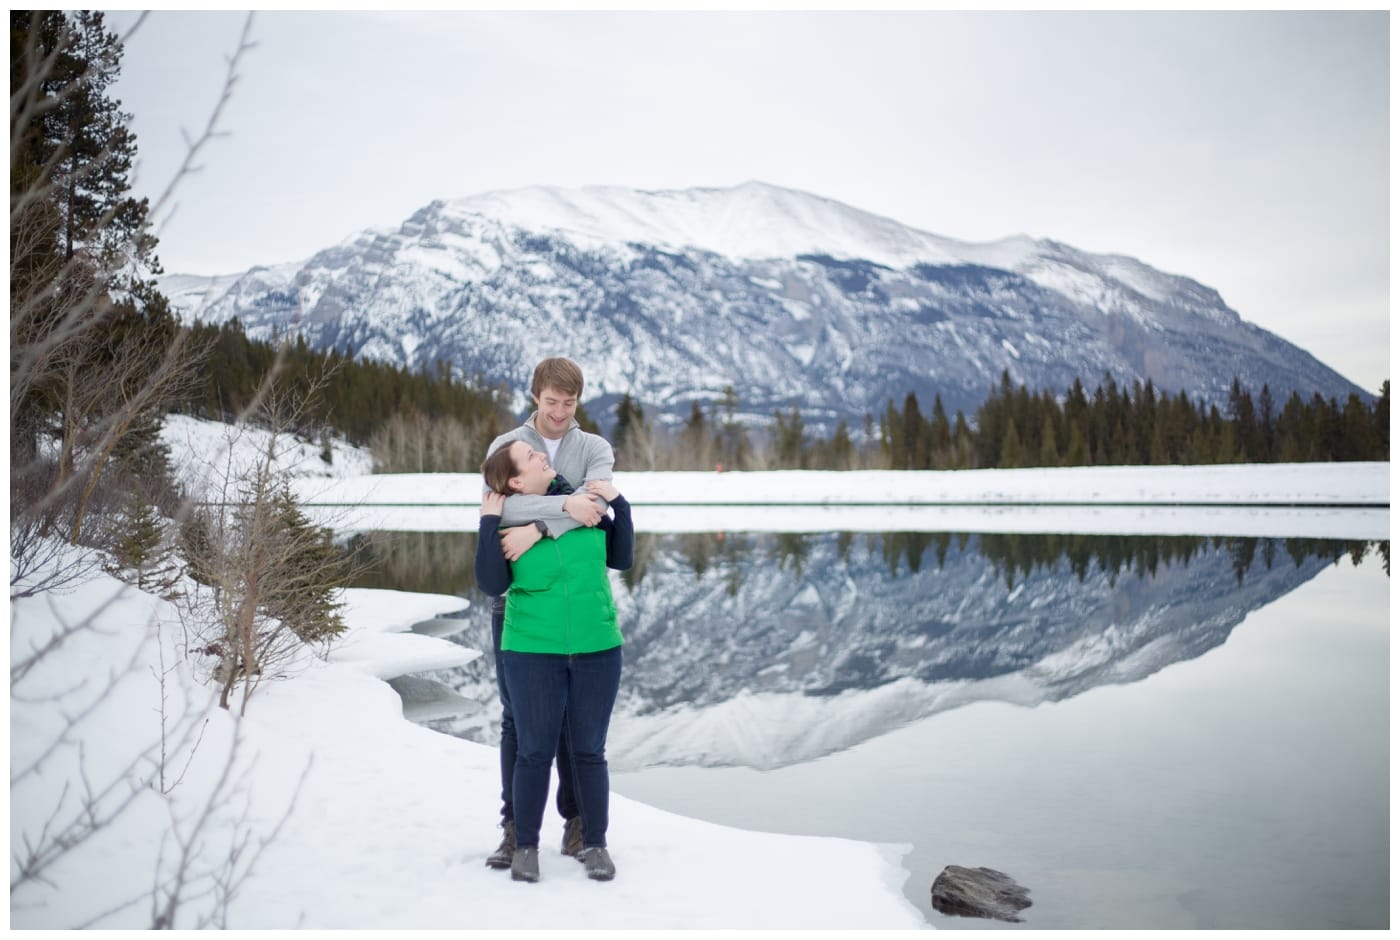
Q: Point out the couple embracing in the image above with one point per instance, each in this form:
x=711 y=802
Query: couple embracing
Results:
x=551 y=525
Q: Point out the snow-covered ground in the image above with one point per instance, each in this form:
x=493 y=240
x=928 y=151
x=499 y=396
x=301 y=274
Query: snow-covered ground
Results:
x=204 y=453
x=391 y=822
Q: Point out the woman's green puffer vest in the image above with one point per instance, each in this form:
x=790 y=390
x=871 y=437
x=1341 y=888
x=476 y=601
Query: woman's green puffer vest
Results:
x=560 y=600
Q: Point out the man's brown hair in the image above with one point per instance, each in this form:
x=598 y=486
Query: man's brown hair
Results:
x=558 y=372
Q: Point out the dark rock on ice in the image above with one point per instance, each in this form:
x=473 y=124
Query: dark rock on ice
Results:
x=979 y=892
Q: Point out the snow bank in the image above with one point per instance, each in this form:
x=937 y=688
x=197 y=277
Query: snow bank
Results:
x=205 y=453
x=1330 y=484
x=378 y=641
x=391 y=822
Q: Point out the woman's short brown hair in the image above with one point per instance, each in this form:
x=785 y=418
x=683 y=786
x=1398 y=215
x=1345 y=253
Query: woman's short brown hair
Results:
x=498 y=469
x=560 y=373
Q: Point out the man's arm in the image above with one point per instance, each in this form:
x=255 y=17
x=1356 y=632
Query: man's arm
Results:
x=593 y=460
x=521 y=509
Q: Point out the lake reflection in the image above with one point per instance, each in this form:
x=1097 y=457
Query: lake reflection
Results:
x=742 y=648
x=1146 y=732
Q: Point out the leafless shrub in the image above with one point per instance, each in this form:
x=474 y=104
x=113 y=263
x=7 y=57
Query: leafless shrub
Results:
x=269 y=576
x=39 y=563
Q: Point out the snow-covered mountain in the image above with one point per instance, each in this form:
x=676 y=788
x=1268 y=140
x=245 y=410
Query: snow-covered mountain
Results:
x=791 y=299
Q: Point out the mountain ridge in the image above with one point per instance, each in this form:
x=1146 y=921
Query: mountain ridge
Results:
x=791 y=299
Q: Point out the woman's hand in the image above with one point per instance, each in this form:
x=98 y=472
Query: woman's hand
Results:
x=582 y=508
x=603 y=488
x=493 y=504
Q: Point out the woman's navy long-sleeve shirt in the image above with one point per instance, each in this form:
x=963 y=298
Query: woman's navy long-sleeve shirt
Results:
x=493 y=571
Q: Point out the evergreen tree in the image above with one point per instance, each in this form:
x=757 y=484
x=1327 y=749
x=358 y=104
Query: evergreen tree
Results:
x=841 y=453
x=732 y=441
x=1247 y=435
x=1049 y=454
x=631 y=436
x=1291 y=428
x=1266 y=424
x=941 y=434
x=80 y=143
x=964 y=446
x=586 y=422
x=1326 y=428
x=1358 y=431
x=892 y=443
x=1010 y=448
x=627 y=415
x=95 y=350
x=992 y=418
x=915 y=433
x=1144 y=421
x=1077 y=452
x=1158 y=452
x=138 y=548
x=312 y=571
x=789 y=434
x=1181 y=420
x=1224 y=449
x=1381 y=419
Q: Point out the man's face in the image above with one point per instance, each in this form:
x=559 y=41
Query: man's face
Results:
x=556 y=411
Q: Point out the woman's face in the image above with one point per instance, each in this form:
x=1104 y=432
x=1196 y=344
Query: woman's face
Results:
x=532 y=470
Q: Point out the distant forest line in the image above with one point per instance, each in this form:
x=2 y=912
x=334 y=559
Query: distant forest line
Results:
x=432 y=421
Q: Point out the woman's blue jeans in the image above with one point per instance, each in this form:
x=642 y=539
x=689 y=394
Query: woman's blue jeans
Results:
x=566 y=800
x=550 y=691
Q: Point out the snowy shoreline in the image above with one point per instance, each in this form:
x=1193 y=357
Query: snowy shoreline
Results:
x=1361 y=484
x=1347 y=501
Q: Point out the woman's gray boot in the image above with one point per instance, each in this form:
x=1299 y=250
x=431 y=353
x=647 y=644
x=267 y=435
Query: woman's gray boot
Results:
x=526 y=864
x=598 y=864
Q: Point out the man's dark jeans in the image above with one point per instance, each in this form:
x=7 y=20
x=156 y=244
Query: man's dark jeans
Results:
x=567 y=799
x=550 y=691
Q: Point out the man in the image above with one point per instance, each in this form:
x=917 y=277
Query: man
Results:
x=579 y=458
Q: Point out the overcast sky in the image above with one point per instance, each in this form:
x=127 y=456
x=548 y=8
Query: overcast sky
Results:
x=1248 y=151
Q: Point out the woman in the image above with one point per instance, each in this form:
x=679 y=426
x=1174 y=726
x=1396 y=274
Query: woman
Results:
x=561 y=649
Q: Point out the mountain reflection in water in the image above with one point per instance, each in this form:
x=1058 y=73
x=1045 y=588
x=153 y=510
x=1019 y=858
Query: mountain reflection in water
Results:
x=768 y=649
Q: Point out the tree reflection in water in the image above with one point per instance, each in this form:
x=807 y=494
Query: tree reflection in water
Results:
x=441 y=562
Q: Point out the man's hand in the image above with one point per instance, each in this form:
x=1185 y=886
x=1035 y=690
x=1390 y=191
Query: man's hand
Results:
x=582 y=508
x=518 y=540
